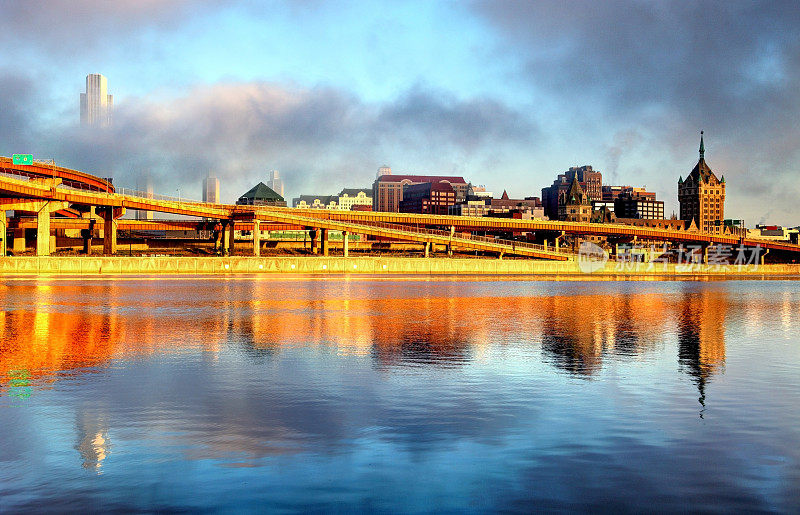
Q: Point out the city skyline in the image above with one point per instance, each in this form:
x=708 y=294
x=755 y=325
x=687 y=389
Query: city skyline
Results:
x=505 y=94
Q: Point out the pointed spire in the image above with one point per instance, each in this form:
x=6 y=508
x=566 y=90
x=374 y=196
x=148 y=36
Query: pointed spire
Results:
x=505 y=195
x=702 y=146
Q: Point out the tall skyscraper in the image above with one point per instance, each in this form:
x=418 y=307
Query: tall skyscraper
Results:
x=148 y=193
x=211 y=190
x=275 y=183
x=96 y=103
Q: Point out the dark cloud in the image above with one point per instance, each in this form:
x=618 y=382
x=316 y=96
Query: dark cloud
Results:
x=666 y=70
x=437 y=117
x=691 y=55
x=320 y=138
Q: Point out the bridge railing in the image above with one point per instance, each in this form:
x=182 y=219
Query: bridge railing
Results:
x=464 y=236
x=154 y=196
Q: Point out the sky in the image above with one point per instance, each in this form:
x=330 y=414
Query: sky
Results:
x=506 y=94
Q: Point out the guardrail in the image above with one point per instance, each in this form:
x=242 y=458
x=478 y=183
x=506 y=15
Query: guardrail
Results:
x=464 y=236
x=154 y=196
x=512 y=244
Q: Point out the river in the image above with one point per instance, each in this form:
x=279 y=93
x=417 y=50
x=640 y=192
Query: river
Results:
x=399 y=394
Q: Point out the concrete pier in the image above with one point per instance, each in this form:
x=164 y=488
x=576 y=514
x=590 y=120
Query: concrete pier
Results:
x=4 y=234
x=43 y=231
x=230 y=237
x=18 y=243
x=256 y=238
x=109 y=233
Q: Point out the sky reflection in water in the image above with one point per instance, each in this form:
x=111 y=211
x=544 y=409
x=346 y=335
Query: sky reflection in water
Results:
x=399 y=394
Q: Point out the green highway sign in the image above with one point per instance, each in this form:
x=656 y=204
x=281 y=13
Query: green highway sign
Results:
x=22 y=159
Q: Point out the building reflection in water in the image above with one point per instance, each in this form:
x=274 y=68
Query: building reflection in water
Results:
x=57 y=332
x=578 y=330
x=701 y=335
x=575 y=331
x=91 y=429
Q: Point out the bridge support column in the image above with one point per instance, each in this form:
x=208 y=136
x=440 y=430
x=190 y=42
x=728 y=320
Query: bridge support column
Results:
x=86 y=234
x=314 y=236
x=325 y=243
x=256 y=238
x=763 y=255
x=427 y=249
x=450 y=250
x=345 y=244
x=217 y=235
x=501 y=255
x=545 y=245
x=43 y=231
x=109 y=233
x=4 y=234
x=231 y=237
x=558 y=240
x=18 y=245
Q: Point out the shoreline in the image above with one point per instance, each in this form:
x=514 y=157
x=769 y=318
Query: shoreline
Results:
x=364 y=266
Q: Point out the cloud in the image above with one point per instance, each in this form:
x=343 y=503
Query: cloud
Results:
x=19 y=102
x=666 y=70
x=633 y=54
x=321 y=138
x=64 y=25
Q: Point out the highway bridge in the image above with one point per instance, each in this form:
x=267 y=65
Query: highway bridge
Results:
x=59 y=198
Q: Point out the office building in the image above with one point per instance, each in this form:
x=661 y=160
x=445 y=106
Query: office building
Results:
x=387 y=190
x=430 y=198
x=629 y=205
x=590 y=181
x=211 y=190
x=275 y=182
x=148 y=193
x=316 y=202
x=350 y=197
x=96 y=104
x=611 y=193
x=702 y=196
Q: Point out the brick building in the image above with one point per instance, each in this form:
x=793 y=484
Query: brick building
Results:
x=387 y=190
x=430 y=198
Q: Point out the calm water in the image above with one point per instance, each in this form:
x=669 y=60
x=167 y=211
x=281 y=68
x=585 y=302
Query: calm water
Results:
x=399 y=395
